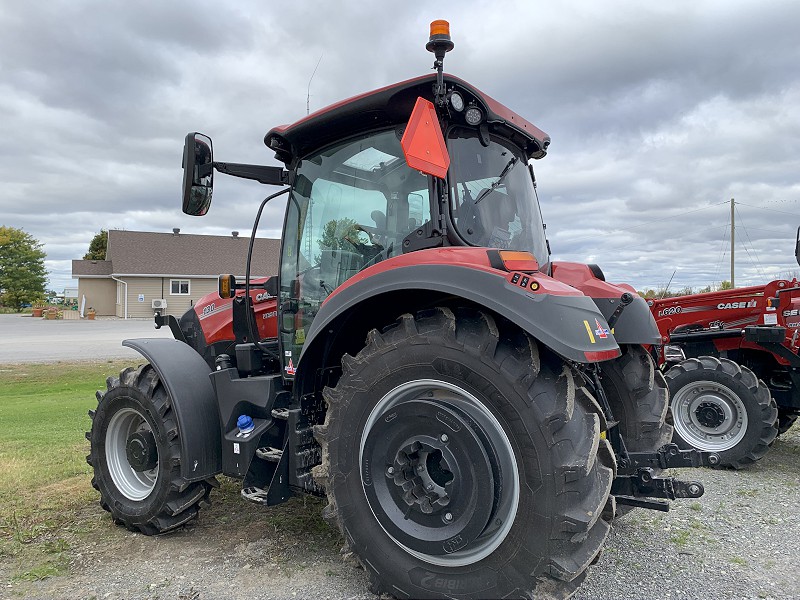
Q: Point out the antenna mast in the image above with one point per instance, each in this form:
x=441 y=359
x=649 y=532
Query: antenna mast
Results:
x=308 y=94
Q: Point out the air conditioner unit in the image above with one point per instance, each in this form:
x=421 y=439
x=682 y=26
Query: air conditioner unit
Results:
x=159 y=303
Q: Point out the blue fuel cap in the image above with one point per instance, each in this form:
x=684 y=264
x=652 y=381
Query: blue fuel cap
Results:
x=245 y=424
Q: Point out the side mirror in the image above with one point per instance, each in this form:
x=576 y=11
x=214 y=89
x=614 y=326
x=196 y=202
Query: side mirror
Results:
x=198 y=174
x=797 y=247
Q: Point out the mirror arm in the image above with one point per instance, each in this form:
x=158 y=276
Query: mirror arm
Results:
x=204 y=170
x=260 y=173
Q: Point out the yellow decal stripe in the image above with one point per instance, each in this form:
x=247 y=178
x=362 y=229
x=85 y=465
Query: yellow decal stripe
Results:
x=589 y=331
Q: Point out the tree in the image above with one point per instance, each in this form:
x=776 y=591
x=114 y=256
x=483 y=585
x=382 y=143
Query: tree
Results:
x=336 y=232
x=725 y=285
x=22 y=272
x=97 y=247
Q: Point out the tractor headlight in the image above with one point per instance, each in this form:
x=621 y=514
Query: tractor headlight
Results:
x=457 y=101
x=473 y=115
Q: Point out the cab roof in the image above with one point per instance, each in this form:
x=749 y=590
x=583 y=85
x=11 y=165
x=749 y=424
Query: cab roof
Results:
x=391 y=106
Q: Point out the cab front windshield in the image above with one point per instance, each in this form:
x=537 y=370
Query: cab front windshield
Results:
x=493 y=201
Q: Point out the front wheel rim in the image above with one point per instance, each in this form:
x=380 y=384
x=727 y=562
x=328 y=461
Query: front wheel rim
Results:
x=134 y=485
x=709 y=416
x=420 y=487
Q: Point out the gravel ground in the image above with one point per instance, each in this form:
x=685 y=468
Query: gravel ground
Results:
x=740 y=540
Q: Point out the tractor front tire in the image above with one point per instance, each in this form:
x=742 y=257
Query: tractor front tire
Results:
x=462 y=460
x=135 y=453
x=720 y=406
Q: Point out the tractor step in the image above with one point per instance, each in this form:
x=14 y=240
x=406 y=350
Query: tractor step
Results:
x=269 y=454
x=255 y=494
x=281 y=414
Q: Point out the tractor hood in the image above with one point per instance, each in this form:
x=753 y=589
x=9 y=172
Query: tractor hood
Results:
x=392 y=106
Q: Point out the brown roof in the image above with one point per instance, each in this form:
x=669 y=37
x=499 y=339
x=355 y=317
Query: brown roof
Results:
x=91 y=268
x=148 y=253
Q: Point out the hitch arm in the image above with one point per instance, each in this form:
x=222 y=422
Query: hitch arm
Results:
x=669 y=456
x=636 y=483
x=637 y=489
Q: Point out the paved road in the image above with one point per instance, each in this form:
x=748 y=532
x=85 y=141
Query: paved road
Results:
x=24 y=339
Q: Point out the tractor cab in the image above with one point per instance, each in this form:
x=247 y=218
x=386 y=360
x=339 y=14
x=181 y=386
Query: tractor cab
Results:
x=357 y=202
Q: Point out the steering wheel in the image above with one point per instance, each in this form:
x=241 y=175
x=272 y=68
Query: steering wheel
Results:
x=374 y=234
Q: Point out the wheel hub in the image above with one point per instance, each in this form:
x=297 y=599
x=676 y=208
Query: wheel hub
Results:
x=422 y=472
x=710 y=415
x=424 y=475
x=439 y=473
x=131 y=454
x=141 y=451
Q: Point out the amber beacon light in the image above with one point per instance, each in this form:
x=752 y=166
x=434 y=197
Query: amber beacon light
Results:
x=440 y=37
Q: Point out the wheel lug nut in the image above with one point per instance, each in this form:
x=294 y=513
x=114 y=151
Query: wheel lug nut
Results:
x=448 y=517
x=390 y=471
x=444 y=439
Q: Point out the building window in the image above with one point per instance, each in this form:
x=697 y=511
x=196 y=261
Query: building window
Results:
x=179 y=287
x=119 y=293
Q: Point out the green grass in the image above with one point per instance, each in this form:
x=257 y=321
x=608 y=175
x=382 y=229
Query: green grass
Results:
x=43 y=472
x=48 y=508
x=680 y=538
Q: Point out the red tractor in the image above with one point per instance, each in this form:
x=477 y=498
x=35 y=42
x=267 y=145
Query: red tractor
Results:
x=733 y=366
x=475 y=413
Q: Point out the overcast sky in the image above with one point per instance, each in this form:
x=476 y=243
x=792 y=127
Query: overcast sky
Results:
x=659 y=115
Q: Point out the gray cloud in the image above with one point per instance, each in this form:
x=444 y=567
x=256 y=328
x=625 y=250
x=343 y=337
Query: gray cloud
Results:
x=655 y=112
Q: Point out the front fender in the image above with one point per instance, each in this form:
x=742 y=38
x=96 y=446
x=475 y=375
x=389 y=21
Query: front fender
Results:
x=185 y=375
x=556 y=315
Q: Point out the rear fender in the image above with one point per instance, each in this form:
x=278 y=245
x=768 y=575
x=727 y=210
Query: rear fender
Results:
x=556 y=315
x=635 y=324
x=185 y=375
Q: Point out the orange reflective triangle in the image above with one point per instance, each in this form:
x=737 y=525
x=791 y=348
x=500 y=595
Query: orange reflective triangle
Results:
x=423 y=142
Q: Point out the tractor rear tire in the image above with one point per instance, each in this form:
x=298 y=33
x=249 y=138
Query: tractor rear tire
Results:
x=639 y=399
x=135 y=452
x=720 y=406
x=461 y=460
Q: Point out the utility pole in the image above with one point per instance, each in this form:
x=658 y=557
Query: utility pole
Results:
x=733 y=230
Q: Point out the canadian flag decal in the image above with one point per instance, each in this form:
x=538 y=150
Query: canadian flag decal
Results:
x=601 y=333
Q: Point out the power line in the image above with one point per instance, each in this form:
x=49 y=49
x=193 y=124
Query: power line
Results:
x=616 y=231
x=722 y=253
x=772 y=231
x=783 y=212
x=758 y=266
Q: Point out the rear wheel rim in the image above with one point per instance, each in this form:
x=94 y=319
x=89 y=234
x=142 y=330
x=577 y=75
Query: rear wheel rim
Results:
x=134 y=485
x=426 y=485
x=709 y=416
